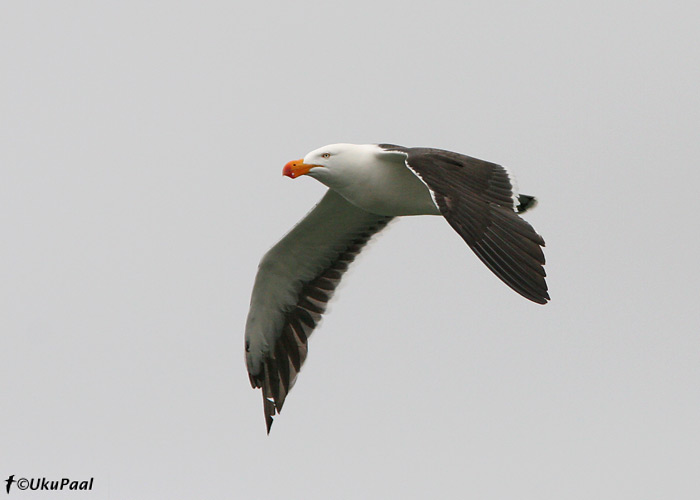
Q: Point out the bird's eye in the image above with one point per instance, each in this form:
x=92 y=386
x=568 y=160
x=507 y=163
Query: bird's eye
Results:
x=326 y=155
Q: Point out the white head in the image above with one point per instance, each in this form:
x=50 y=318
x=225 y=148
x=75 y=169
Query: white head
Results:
x=333 y=165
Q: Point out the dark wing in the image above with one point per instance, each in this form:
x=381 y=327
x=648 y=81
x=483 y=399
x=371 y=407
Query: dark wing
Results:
x=295 y=281
x=477 y=198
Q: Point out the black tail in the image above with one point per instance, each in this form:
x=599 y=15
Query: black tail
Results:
x=525 y=203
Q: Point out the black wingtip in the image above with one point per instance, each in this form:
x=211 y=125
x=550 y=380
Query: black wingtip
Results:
x=543 y=301
x=270 y=409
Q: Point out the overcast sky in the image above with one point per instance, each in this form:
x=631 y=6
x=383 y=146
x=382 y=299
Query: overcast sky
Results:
x=141 y=147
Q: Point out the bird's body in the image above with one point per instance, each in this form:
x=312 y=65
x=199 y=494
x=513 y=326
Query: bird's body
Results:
x=368 y=186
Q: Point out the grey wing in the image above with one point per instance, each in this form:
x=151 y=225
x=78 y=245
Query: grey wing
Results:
x=296 y=279
x=479 y=201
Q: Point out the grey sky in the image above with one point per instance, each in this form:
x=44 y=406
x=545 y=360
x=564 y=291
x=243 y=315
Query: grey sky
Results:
x=141 y=149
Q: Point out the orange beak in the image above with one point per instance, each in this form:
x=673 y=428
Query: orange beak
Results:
x=296 y=168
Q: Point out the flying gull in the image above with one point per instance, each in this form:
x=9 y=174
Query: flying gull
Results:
x=369 y=185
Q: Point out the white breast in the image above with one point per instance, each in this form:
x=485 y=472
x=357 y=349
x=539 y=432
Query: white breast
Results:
x=387 y=187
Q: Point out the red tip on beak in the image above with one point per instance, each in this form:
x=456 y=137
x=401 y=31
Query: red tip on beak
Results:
x=296 y=168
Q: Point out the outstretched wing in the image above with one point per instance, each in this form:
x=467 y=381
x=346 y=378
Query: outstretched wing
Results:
x=296 y=279
x=479 y=200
